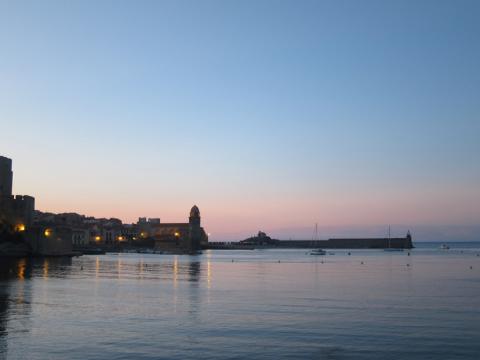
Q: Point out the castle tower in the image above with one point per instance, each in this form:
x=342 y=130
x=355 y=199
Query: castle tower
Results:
x=6 y=177
x=194 y=227
x=18 y=210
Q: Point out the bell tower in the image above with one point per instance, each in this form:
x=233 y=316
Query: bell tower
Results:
x=194 y=227
x=194 y=218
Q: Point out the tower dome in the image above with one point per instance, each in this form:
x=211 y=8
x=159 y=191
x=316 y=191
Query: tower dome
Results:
x=195 y=212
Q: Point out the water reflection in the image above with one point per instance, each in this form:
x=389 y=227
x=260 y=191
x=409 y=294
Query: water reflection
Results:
x=175 y=271
x=21 y=269
x=45 y=268
x=16 y=287
x=121 y=267
x=140 y=306
x=195 y=299
x=15 y=295
x=194 y=271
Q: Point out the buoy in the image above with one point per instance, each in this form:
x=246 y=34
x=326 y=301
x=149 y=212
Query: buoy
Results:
x=349 y=254
x=361 y=263
x=408 y=254
x=408 y=264
x=471 y=267
x=81 y=268
x=232 y=260
x=278 y=260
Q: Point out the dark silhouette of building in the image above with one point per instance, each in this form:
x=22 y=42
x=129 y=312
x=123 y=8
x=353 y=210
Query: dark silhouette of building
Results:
x=6 y=176
x=19 y=236
x=262 y=239
x=16 y=210
x=180 y=237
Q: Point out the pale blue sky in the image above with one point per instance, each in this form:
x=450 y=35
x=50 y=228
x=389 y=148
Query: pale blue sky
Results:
x=268 y=114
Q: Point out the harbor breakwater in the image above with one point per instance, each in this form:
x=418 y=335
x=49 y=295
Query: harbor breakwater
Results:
x=335 y=243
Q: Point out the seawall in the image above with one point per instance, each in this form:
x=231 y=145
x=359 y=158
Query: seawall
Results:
x=343 y=243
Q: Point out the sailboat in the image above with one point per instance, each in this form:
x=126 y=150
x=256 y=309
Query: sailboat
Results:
x=315 y=238
x=389 y=243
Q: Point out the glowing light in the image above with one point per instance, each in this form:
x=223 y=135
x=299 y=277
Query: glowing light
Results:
x=120 y=238
x=20 y=228
x=47 y=232
x=177 y=234
x=98 y=238
x=142 y=234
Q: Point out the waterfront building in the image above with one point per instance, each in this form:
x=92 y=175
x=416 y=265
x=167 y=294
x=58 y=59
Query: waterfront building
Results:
x=181 y=237
x=80 y=237
x=111 y=235
x=50 y=241
x=17 y=213
x=129 y=233
x=16 y=210
x=147 y=227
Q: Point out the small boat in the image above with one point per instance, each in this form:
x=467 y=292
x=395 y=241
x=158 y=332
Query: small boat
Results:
x=93 y=251
x=389 y=244
x=444 y=247
x=318 y=252
x=145 y=251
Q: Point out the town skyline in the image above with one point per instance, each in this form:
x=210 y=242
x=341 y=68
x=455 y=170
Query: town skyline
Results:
x=425 y=232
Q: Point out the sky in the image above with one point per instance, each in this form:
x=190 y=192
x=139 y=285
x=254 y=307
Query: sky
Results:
x=268 y=115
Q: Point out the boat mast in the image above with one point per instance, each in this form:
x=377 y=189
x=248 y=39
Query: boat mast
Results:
x=389 y=236
x=315 y=233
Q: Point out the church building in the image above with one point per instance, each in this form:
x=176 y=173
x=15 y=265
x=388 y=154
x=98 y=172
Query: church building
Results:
x=180 y=237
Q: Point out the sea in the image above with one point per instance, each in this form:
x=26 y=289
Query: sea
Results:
x=245 y=304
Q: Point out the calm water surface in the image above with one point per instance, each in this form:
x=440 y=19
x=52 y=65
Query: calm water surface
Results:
x=270 y=304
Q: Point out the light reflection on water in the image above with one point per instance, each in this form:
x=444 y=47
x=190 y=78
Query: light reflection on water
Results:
x=270 y=304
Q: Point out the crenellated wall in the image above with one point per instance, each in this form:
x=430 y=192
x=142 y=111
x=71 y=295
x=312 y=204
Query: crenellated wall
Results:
x=18 y=210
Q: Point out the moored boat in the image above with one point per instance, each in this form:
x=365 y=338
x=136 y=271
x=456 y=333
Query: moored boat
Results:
x=389 y=248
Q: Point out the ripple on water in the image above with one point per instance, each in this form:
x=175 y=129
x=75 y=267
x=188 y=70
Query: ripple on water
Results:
x=207 y=307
